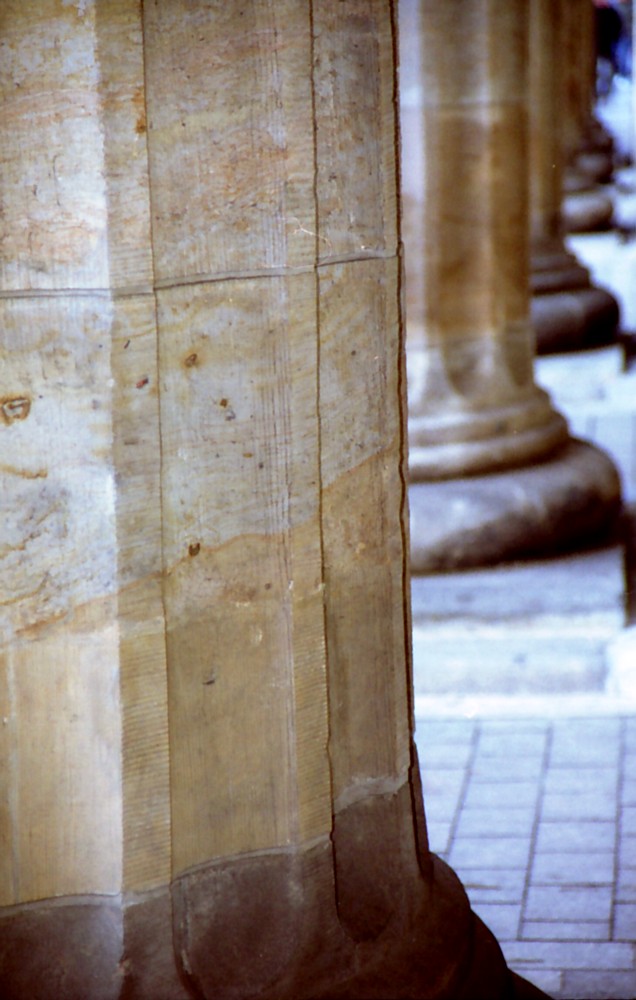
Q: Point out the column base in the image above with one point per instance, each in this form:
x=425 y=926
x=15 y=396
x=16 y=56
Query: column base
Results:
x=571 y=499
x=587 y=212
x=574 y=319
x=433 y=947
x=568 y=312
x=90 y=948
x=596 y=164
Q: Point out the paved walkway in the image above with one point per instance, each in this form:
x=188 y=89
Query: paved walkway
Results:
x=538 y=818
x=525 y=699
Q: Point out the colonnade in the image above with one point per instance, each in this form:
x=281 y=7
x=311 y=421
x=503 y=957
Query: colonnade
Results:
x=210 y=787
x=568 y=311
x=494 y=472
x=210 y=784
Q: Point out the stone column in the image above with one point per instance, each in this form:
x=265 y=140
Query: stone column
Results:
x=475 y=408
x=568 y=312
x=209 y=782
x=586 y=206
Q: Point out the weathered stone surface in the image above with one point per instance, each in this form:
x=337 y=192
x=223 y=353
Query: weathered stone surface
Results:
x=210 y=786
x=71 y=949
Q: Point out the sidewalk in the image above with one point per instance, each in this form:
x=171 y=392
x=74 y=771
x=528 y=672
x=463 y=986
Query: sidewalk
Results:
x=538 y=818
x=525 y=703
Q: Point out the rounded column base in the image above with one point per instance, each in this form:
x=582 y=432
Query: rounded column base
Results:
x=587 y=211
x=272 y=926
x=574 y=319
x=90 y=948
x=571 y=499
x=473 y=443
x=596 y=164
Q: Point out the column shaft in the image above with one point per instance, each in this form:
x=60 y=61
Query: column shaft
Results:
x=210 y=785
x=476 y=406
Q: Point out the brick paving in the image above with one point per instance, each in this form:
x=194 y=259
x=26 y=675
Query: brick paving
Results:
x=538 y=818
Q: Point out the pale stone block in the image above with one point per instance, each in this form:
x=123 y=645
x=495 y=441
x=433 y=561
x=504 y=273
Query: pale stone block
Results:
x=569 y=902
x=624 y=922
x=581 y=837
x=490 y=852
x=494 y=885
x=591 y=868
x=523 y=955
x=565 y=930
x=502 y=919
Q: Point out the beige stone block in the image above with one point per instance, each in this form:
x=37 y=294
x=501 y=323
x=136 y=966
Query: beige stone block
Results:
x=51 y=150
x=231 y=139
x=63 y=821
x=356 y=168
x=361 y=406
x=8 y=873
x=73 y=162
x=476 y=258
x=243 y=592
x=136 y=456
x=81 y=548
x=57 y=540
x=238 y=407
x=491 y=37
x=360 y=370
x=122 y=116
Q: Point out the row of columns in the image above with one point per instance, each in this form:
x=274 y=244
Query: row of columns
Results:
x=568 y=311
x=588 y=148
x=489 y=236
x=210 y=788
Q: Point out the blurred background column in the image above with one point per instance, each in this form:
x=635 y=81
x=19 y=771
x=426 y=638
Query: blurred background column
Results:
x=587 y=148
x=494 y=473
x=568 y=311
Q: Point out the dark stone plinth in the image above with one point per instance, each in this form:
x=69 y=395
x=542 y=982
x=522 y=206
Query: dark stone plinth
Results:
x=362 y=914
x=90 y=948
x=596 y=164
x=568 y=312
x=571 y=499
x=587 y=211
x=575 y=319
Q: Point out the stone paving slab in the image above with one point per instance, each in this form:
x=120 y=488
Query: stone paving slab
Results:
x=538 y=628
x=584 y=837
x=562 y=868
x=523 y=956
x=597 y=986
x=551 y=870
x=554 y=591
x=562 y=930
x=494 y=885
x=626 y=886
x=495 y=852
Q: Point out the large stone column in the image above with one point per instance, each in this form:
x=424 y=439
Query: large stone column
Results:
x=586 y=206
x=568 y=311
x=209 y=782
x=475 y=408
